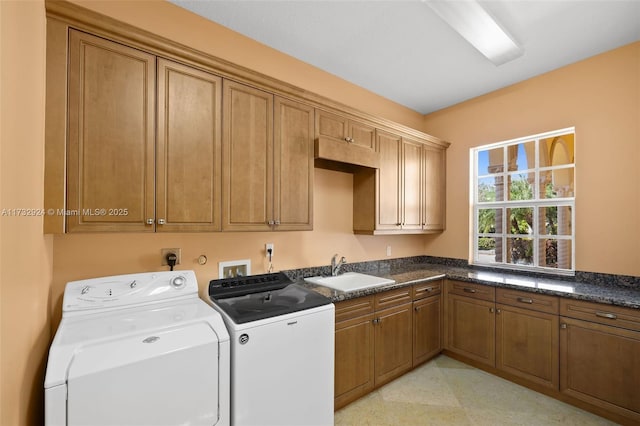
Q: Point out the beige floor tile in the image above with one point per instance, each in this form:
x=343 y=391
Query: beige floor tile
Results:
x=412 y=388
x=447 y=392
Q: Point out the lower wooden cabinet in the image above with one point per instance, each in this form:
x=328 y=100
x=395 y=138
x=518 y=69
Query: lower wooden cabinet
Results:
x=518 y=335
x=354 y=362
x=527 y=344
x=427 y=321
x=393 y=339
x=600 y=363
x=381 y=337
x=470 y=328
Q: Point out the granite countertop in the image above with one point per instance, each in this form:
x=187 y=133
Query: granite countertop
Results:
x=610 y=292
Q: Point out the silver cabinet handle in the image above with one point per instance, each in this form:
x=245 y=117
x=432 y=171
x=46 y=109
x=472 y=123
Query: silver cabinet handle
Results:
x=417 y=308
x=469 y=290
x=271 y=222
x=524 y=300
x=161 y=222
x=498 y=311
x=492 y=310
x=376 y=321
x=428 y=289
x=563 y=326
x=277 y=222
x=606 y=315
x=149 y=221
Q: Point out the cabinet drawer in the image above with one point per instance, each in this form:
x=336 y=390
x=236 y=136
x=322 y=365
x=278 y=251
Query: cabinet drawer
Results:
x=527 y=300
x=353 y=308
x=477 y=291
x=601 y=313
x=427 y=289
x=392 y=298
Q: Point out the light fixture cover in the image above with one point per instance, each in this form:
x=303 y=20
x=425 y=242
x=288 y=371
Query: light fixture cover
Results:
x=479 y=28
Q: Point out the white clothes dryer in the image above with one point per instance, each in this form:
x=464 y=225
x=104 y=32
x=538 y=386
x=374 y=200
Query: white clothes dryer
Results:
x=138 y=349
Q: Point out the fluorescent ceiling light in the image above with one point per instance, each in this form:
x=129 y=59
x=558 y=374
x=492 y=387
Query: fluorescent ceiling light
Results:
x=473 y=23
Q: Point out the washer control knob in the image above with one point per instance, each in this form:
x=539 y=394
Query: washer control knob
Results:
x=179 y=281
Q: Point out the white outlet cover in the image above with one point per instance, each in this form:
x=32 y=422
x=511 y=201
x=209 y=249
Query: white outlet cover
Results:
x=243 y=262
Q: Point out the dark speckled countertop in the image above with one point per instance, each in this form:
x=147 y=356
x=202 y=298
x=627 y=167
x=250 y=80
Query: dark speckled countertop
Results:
x=607 y=289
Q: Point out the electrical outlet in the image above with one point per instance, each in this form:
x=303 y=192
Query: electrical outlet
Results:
x=166 y=251
x=266 y=249
x=388 y=251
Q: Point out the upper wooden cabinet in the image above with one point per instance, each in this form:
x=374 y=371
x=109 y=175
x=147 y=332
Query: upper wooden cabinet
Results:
x=267 y=174
x=344 y=140
x=433 y=188
x=134 y=137
x=188 y=176
x=123 y=174
x=110 y=157
x=345 y=130
x=406 y=193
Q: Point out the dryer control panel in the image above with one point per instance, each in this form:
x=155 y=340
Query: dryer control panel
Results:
x=121 y=291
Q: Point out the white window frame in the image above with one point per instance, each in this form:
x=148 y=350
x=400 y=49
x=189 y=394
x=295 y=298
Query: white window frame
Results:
x=536 y=203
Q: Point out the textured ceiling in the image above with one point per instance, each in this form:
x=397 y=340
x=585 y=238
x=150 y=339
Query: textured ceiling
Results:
x=403 y=51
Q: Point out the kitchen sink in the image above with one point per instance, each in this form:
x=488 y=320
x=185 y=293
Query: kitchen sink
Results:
x=350 y=281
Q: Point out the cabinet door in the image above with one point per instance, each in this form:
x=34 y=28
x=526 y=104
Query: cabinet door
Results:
x=388 y=181
x=411 y=185
x=471 y=328
x=527 y=344
x=247 y=164
x=110 y=162
x=331 y=126
x=427 y=341
x=362 y=135
x=433 y=192
x=293 y=168
x=600 y=364
x=354 y=366
x=393 y=339
x=188 y=149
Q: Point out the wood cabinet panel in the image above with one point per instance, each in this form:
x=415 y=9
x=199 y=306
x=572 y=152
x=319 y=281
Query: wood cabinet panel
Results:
x=388 y=179
x=188 y=153
x=476 y=291
x=433 y=189
x=362 y=135
x=391 y=298
x=111 y=135
x=427 y=329
x=470 y=325
x=393 y=339
x=599 y=365
x=411 y=185
x=426 y=289
x=527 y=344
x=353 y=308
x=615 y=316
x=293 y=165
x=247 y=158
x=354 y=362
x=528 y=300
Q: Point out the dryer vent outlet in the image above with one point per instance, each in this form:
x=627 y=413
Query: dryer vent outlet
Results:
x=166 y=251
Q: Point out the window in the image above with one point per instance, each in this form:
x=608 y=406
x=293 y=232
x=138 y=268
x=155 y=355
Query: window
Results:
x=523 y=202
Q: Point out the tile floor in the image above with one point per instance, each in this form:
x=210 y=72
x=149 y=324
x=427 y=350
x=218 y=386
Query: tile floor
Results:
x=447 y=392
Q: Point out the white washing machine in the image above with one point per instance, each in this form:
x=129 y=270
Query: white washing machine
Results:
x=139 y=349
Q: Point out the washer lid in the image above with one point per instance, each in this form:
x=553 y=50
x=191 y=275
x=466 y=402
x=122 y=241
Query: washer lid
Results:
x=272 y=303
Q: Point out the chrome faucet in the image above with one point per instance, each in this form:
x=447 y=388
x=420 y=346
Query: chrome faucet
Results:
x=335 y=266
